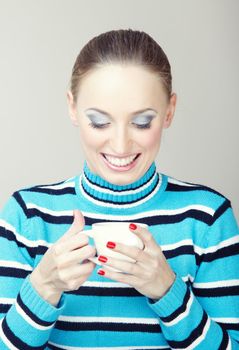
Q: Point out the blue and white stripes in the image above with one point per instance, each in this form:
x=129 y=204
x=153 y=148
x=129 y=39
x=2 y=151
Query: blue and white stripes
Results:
x=198 y=234
x=102 y=193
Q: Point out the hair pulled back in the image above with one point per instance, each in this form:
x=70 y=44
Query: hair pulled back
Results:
x=125 y=46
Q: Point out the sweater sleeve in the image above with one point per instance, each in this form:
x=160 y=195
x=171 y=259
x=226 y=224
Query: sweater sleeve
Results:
x=26 y=320
x=206 y=314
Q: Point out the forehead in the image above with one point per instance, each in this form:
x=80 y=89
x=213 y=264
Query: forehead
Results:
x=121 y=85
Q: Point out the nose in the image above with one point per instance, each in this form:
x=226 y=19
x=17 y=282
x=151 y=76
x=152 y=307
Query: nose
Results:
x=120 y=141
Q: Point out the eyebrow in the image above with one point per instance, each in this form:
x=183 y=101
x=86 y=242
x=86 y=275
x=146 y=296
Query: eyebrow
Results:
x=136 y=112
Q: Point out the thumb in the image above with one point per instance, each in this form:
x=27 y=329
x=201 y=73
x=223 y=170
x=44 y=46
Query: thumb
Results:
x=78 y=223
x=146 y=236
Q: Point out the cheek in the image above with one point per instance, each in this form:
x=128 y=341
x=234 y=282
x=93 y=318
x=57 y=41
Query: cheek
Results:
x=90 y=139
x=151 y=139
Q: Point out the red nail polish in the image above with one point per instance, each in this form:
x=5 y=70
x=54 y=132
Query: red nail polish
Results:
x=110 y=245
x=102 y=259
x=132 y=226
x=101 y=272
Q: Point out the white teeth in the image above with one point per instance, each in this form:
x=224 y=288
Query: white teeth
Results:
x=120 y=161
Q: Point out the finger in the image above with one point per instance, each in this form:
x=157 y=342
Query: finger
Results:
x=146 y=236
x=121 y=265
x=72 y=279
x=118 y=276
x=80 y=270
x=77 y=256
x=130 y=251
x=77 y=225
x=72 y=243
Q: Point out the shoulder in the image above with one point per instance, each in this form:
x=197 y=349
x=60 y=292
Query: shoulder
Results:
x=44 y=195
x=197 y=195
x=63 y=186
x=174 y=184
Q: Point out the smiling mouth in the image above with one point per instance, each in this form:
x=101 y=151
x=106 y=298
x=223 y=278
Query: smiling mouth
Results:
x=121 y=162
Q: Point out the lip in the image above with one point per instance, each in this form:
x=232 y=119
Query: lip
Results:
x=125 y=156
x=121 y=168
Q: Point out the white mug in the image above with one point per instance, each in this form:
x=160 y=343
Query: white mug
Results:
x=115 y=232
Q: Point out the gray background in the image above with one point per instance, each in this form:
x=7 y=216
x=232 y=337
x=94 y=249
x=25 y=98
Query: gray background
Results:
x=39 y=43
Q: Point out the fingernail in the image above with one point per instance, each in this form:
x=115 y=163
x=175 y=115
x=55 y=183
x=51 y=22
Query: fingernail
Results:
x=101 y=272
x=110 y=245
x=132 y=226
x=102 y=258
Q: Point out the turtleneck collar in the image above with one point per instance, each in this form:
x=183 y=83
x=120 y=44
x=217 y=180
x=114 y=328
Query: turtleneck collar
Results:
x=103 y=193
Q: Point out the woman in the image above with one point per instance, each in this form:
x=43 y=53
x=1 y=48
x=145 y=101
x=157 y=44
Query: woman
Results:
x=183 y=290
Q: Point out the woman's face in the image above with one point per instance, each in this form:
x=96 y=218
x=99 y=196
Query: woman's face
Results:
x=121 y=111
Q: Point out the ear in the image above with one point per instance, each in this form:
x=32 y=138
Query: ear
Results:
x=170 y=111
x=72 y=108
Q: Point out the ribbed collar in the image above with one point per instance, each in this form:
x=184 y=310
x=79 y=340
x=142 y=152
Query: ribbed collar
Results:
x=102 y=192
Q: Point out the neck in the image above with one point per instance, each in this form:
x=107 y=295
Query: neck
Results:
x=104 y=193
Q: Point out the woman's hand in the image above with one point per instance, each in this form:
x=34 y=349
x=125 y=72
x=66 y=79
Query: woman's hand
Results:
x=150 y=275
x=64 y=266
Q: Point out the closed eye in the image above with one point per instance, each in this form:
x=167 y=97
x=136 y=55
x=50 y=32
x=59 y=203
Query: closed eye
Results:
x=102 y=126
x=98 y=126
x=143 y=126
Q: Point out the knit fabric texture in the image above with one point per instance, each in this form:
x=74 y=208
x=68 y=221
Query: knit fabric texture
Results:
x=197 y=231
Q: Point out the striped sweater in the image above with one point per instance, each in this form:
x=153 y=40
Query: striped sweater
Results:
x=197 y=231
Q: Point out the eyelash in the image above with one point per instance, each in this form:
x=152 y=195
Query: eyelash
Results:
x=102 y=126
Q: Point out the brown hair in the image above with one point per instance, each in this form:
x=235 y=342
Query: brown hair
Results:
x=122 y=46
